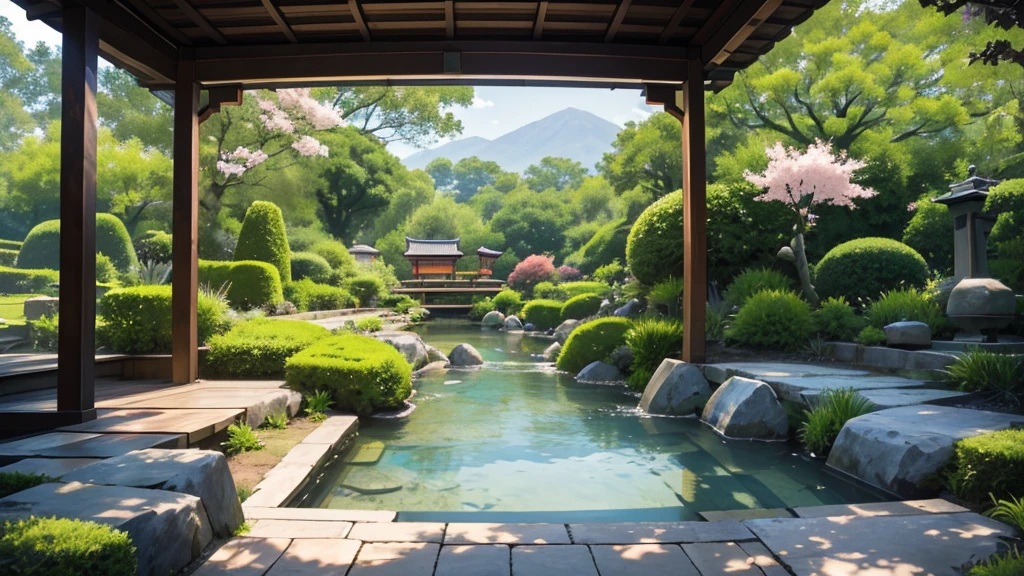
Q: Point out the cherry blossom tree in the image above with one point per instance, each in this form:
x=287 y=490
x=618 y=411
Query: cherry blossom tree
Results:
x=802 y=180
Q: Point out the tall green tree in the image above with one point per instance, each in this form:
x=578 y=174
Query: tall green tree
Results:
x=554 y=172
x=646 y=154
x=15 y=120
x=417 y=115
x=441 y=170
x=471 y=174
x=131 y=111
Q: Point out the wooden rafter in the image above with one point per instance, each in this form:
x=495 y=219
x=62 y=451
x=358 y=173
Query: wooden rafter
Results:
x=714 y=22
x=449 y=19
x=736 y=28
x=201 y=21
x=357 y=15
x=538 y=23
x=620 y=15
x=275 y=13
x=160 y=22
x=673 y=24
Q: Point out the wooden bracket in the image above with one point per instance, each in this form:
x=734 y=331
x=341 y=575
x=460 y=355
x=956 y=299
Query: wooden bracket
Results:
x=220 y=96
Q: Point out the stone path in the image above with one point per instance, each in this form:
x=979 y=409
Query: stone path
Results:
x=883 y=539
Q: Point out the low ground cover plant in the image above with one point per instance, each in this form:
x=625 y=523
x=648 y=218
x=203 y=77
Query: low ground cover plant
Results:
x=374 y=324
x=275 y=421
x=831 y=412
x=543 y=314
x=361 y=374
x=988 y=466
x=591 y=342
x=317 y=405
x=580 y=307
x=259 y=348
x=13 y=482
x=65 y=547
x=772 y=319
x=651 y=340
x=241 y=438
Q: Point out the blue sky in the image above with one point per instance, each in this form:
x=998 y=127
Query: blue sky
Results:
x=495 y=110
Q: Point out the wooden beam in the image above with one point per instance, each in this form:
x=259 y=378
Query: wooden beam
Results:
x=673 y=24
x=737 y=27
x=276 y=15
x=357 y=15
x=160 y=22
x=538 y=22
x=185 y=222
x=220 y=96
x=695 y=249
x=449 y=19
x=620 y=15
x=201 y=21
x=76 y=340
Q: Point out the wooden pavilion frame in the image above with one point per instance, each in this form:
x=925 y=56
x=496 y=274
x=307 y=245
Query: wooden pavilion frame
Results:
x=674 y=49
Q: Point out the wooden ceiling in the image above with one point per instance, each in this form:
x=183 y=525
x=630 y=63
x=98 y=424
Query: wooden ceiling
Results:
x=287 y=42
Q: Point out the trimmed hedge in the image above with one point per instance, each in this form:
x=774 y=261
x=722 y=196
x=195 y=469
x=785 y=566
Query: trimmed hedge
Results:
x=992 y=463
x=252 y=283
x=507 y=302
x=573 y=289
x=928 y=233
x=543 y=314
x=8 y=257
x=138 y=320
x=17 y=281
x=361 y=373
x=260 y=347
x=309 y=265
x=773 y=319
x=365 y=288
x=308 y=296
x=42 y=245
x=654 y=248
x=65 y=547
x=334 y=253
x=591 y=342
x=862 y=269
x=580 y=307
x=263 y=238
x=154 y=246
x=10 y=244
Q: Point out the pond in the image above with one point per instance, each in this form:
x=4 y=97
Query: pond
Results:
x=516 y=441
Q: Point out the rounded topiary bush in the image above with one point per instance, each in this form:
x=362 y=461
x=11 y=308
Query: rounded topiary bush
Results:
x=334 y=253
x=263 y=238
x=250 y=283
x=862 y=269
x=773 y=319
x=365 y=288
x=654 y=248
x=580 y=307
x=361 y=374
x=591 y=342
x=308 y=296
x=65 y=547
x=154 y=246
x=543 y=314
x=928 y=232
x=41 y=249
x=260 y=347
x=507 y=302
x=138 y=320
x=309 y=265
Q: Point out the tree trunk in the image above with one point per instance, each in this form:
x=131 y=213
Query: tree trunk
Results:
x=804 y=270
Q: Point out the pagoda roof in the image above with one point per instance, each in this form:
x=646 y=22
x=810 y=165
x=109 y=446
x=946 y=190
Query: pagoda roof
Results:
x=434 y=248
x=363 y=249
x=485 y=251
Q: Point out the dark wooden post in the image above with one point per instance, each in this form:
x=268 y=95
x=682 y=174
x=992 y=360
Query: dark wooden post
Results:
x=76 y=341
x=695 y=211
x=184 y=258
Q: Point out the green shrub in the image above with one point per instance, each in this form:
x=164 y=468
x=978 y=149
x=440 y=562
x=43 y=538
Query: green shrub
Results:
x=362 y=374
x=652 y=341
x=591 y=342
x=154 y=246
x=260 y=347
x=1006 y=199
x=773 y=319
x=334 y=253
x=241 y=438
x=573 y=289
x=65 y=547
x=668 y=293
x=1008 y=266
x=10 y=245
x=1009 y=564
x=138 y=320
x=992 y=463
x=365 y=288
x=42 y=333
x=20 y=281
x=8 y=257
x=251 y=283
x=105 y=271
x=549 y=291
x=754 y=280
x=608 y=244
x=263 y=238
x=929 y=232
x=580 y=307
x=654 y=248
x=374 y=324
x=508 y=302
x=611 y=273
x=400 y=303
x=480 y=308
x=870 y=336
x=14 y=482
x=864 y=268
x=317 y=405
x=831 y=412
x=309 y=265
x=42 y=245
x=543 y=314
x=903 y=304
x=981 y=371
x=275 y=421
x=837 y=320
x=308 y=296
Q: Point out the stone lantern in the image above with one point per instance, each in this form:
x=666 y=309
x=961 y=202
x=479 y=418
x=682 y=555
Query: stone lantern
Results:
x=978 y=305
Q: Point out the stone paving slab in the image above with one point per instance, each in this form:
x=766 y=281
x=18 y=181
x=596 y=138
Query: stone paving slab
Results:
x=278 y=486
x=659 y=532
x=793 y=387
x=905 y=508
x=893 y=397
x=721 y=371
x=244 y=557
x=83 y=445
x=721 y=559
x=645 y=559
x=316 y=558
x=482 y=533
x=318 y=514
x=334 y=429
x=299 y=529
x=307 y=454
x=396 y=559
x=888 y=545
x=552 y=561
x=763 y=558
x=196 y=424
x=257 y=402
x=399 y=532
x=52 y=467
x=481 y=560
x=747 y=514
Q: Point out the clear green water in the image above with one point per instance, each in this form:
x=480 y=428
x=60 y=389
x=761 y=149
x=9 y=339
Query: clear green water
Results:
x=516 y=441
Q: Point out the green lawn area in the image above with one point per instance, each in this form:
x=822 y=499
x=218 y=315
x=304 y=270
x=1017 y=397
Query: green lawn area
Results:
x=12 y=308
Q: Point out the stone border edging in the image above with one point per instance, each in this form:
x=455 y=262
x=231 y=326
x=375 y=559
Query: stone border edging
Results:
x=891 y=358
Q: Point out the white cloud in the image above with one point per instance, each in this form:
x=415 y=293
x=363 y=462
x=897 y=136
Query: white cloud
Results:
x=643 y=114
x=481 y=103
x=495 y=122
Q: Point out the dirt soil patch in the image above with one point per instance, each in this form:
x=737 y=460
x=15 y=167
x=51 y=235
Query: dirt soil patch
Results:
x=248 y=468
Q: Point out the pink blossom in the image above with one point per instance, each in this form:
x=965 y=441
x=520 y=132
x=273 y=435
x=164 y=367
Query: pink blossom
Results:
x=309 y=146
x=530 y=271
x=230 y=169
x=793 y=175
x=320 y=116
x=912 y=207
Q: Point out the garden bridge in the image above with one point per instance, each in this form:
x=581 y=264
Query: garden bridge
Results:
x=201 y=54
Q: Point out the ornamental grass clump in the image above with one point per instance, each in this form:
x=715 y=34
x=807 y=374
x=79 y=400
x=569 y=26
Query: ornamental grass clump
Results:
x=543 y=314
x=774 y=320
x=831 y=412
x=65 y=547
x=652 y=340
x=259 y=348
x=1000 y=375
x=754 y=280
x=317 y=405
x=1009 y=564
x=1009 y=510
x=591 y=342
x=668 y=294
x=904 y=304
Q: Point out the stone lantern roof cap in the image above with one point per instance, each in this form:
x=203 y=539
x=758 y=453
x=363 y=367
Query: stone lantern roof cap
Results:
x=973 y=189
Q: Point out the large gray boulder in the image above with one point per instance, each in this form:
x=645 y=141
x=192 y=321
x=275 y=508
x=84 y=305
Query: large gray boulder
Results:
x=745 y=408
x=465 y=355
x=493 y=319
x=409 y=344
x=676 y=389
x=981 y=297
x=631 y=308
x=435 y=355
x=513 y=324
x=551 y=352
x=39 y=306
x=902 y=450
x=599 y=372
x=201 y=473
x=564 y=329
x=168 y=529
x=908 y=335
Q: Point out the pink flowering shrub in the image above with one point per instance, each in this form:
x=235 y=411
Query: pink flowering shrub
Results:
x=530 y=271
x=568 y=274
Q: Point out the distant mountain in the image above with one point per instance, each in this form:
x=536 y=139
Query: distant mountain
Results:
x=570 y=133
